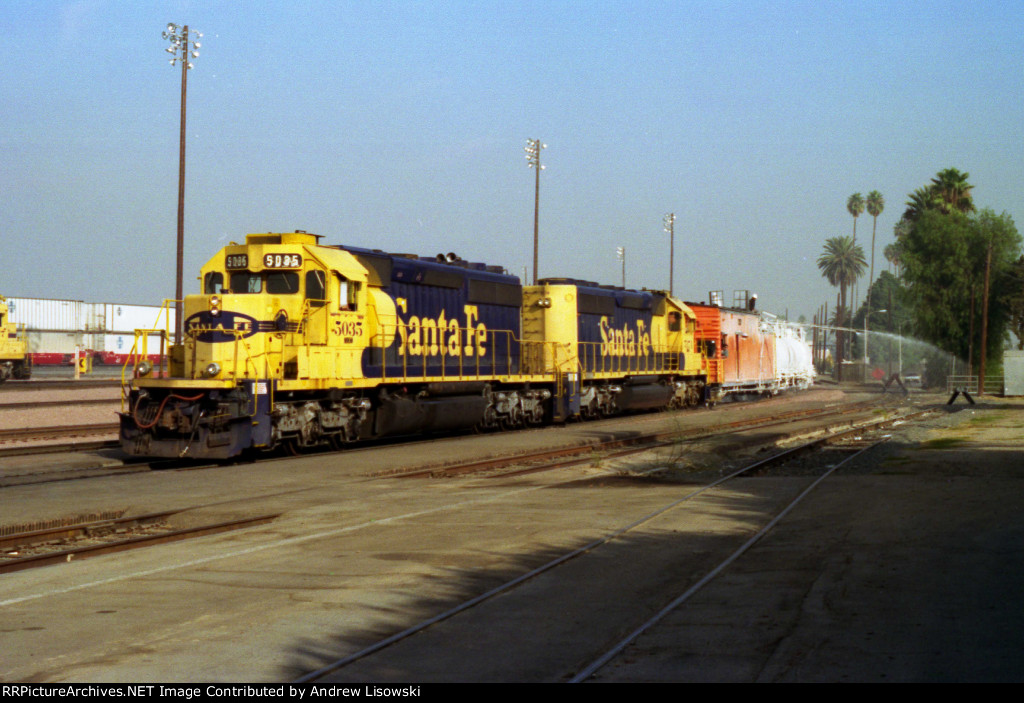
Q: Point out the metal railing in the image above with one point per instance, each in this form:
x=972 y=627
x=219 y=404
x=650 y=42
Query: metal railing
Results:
x=993 y=384
x=637 y=359
x=492 y=353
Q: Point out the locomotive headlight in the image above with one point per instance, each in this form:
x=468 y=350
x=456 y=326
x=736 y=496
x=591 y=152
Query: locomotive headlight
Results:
x=212 y=369
x=215 y=305
x=544 y=303
x=144 y=368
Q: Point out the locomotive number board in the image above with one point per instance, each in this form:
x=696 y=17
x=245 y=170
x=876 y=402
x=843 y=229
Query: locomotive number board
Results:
x=282 y=261
x=236 y=261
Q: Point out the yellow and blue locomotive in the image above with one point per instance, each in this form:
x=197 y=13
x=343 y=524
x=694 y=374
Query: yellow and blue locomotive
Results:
x=14 y=359
x=295 y=343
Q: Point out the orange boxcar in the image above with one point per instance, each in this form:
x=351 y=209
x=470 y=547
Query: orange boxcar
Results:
x=739 y=350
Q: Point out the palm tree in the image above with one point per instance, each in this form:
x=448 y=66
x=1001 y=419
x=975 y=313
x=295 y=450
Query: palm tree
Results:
x=920 y=200
x=855 y=206
x=875 y=204
x=841 y=263
x=892 y=255
x=953 y=191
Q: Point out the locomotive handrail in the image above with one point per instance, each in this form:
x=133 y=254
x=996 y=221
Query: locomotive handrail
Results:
x=133 y=357
x=493 y=352
x=163 y=332
x=651 y=358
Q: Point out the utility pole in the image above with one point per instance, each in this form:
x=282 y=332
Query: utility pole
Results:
x=620 y=254
x=984 y=323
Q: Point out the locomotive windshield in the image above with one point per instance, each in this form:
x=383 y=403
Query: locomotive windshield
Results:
x=275 y=282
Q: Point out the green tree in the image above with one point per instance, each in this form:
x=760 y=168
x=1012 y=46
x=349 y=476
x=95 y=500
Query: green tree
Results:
x=841 y=262
x=1015 y=300
x=890 y=315
x=944 y=258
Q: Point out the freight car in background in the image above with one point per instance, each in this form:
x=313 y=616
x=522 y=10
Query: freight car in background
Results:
x=748 y=352
x=105 y=332
x=294 y=343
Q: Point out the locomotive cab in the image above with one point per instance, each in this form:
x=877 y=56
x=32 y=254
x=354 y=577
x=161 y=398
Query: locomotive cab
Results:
x=278 y=307
x=279 y=319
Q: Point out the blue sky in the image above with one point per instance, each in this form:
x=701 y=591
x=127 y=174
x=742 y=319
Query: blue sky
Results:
x=401 y=126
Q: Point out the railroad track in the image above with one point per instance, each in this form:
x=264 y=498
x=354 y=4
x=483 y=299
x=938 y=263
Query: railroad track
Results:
x=360 y=512
x=69 y=402
x=32 y=548
x=430 y=632
x=12 y=386
x=615 y=448
x=642 y=441
x=57 y=432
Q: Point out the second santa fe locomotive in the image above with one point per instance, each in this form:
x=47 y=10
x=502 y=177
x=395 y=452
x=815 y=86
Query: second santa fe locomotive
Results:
x=14 y=359
x=297 y=343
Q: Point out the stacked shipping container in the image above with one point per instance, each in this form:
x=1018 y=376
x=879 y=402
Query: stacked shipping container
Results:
x=56 y=329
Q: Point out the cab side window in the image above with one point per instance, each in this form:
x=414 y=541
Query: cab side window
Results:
x=347 y=291
x=316 y=288
x=213 y=283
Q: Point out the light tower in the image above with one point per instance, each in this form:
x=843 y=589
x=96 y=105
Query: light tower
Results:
x=670 y=227
x=532 y=149
x=183 y=47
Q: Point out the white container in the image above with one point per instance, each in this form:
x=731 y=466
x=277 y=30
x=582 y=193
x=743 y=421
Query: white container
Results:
x=43 y=315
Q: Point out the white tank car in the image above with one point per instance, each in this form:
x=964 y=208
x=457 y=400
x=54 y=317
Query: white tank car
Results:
x=793 y=362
